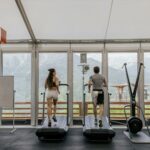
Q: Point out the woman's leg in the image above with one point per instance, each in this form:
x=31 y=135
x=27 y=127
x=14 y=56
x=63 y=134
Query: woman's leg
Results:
x=55 y=98
x=49 y=108
x=101 y=112
x=54 y=103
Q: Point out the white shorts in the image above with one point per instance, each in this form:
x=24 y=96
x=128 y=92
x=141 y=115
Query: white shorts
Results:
x=52 y=94
x=94 y=97
x=98 y=97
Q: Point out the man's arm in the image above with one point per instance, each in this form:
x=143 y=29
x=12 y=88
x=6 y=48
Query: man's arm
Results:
x=105 y=83
x=89 y=85
x=45 y=84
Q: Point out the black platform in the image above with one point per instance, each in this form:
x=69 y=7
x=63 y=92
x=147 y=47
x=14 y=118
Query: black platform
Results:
x=96 y=133
x=25 y=139
x=57 y=131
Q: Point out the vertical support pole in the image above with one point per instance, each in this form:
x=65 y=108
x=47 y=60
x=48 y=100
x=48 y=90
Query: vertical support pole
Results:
x=84 y=109
x=34 y=86
x=68 y=121
x=1 y=73
x=141 y=83
x=1 y=61
x=0 y=116
x=105 y=74
x=70 y=82
x=14 y=129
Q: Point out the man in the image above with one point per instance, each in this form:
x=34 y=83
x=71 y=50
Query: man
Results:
x=98 y=81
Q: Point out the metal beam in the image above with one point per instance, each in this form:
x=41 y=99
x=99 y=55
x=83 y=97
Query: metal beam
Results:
x=140 y=92
x=105 y=73
x=1 y=73
x=69 y=81
x=35 y=87
x=26 y=20
x=24 y=41
x=96 y=41
x=93 y=41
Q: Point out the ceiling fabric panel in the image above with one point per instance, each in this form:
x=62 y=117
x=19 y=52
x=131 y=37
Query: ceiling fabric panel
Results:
x=11 y=21
x=77 y=19
x=129 y=19
x=68 y=19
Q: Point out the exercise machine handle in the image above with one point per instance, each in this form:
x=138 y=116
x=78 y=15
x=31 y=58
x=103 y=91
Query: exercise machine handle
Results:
x=64 y=84
x=132 y=98
x=67 y=93
x=86 y=85
x=43 y=93
x=137 y=80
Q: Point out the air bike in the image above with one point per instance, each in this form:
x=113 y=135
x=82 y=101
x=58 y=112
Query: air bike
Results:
x=58 y=130
x=93 y=132
x=135 y=124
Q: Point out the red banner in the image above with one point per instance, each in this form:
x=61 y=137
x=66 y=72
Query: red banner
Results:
x=2 y=36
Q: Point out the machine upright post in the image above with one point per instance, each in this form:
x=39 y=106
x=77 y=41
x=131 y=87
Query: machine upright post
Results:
x=43 y=106
x=67 y=109
x=67 y=94
x=14 y=129
x=84 y=108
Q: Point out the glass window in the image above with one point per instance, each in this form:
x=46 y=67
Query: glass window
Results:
x=147 y=84
x=19 y=65
x=93 y=59
x=118 y=82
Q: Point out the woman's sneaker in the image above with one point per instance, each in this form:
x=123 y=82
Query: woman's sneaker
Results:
x=49 y=124
x=54 y=118
x=100 y=123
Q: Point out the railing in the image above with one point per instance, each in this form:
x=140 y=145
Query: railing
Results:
x=117 y=110
x=62 y=109
x=23 y=110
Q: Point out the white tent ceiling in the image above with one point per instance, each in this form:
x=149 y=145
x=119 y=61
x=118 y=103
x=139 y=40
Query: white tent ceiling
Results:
x=77 y=19
x=11 y=20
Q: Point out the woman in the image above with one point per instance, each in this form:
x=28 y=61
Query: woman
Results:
x=52 y=91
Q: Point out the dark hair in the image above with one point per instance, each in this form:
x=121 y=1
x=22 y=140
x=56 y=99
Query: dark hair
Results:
x=96 y=69
x=49 y=81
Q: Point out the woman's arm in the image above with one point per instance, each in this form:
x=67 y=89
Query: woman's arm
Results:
x=45 y=84
x=57 y=84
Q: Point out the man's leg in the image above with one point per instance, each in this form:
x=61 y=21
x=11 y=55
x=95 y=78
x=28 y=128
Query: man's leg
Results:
x=95 y=106
x=95 y=111
x=101 y=112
